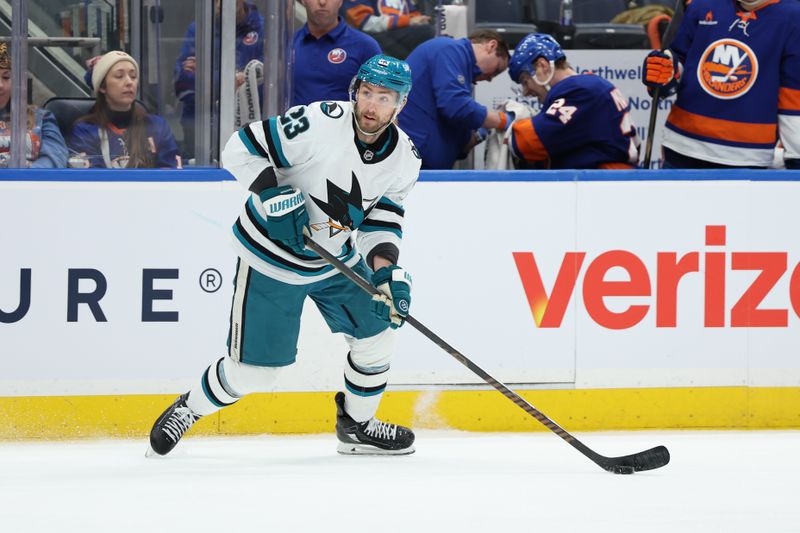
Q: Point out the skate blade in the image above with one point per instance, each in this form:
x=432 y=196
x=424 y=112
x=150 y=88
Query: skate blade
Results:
x=365 y=449
x=151 y=453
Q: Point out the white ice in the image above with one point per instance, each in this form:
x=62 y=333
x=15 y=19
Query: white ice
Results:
x=719 y=482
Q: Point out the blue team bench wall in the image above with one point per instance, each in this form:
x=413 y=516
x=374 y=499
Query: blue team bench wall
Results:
x=215 y=174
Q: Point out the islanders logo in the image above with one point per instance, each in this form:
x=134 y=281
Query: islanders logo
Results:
x=337 y=55
x=250 y=39
x=727 y=69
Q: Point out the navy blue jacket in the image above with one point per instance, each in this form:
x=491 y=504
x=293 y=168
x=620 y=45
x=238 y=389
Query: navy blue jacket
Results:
x=249 y=46
x=441 y=114
x=324 y=67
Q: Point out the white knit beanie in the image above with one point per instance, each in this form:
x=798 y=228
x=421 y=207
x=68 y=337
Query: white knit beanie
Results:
x=105 y=63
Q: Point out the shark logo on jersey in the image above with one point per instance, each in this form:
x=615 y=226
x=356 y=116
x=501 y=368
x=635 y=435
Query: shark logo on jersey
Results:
x=345 y=211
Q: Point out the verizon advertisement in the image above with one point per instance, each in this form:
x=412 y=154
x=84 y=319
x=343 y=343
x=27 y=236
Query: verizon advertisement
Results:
x=610 y=284
x=124 y=288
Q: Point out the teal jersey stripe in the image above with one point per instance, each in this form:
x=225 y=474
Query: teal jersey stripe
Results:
x=282 y=266
x=258 y=216
x=247 y=143
x=276 y=141
x=387 y=143
x=368 y=228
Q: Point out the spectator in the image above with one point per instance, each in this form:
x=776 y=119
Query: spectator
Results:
x=736 y=69
x=441 y=116
x=327 y=54
x=117 y=132
x=249 y=47
x=398 y=25
x=585 y=121
x=45 y=146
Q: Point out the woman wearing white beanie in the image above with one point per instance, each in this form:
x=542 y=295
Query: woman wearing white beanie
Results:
x=117 y=133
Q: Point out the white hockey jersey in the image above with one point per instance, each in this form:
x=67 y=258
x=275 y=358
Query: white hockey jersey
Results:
x=348 y=186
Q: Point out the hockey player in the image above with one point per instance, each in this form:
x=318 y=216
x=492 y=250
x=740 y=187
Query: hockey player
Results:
x=329 y=168
x=585 y=121
x=736 y=69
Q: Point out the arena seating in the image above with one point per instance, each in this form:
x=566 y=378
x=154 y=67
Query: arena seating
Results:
x=511 y=18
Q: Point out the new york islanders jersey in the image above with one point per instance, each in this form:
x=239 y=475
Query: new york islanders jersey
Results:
x=585 y=123
x=380 y=15
x=107 y=147
x=347 y=185
x=740 y=87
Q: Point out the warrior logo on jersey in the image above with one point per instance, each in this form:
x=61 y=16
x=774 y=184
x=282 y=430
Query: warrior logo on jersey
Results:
x=345 y=210
x=250 y=38
x=727 y=69
x=332 y=109
x=337 y=55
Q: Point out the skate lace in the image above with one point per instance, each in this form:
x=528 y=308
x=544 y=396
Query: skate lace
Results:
x=381 y=430
x=181 y=420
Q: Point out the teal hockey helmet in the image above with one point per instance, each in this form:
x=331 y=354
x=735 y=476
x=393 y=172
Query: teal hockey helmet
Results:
x=386 y=71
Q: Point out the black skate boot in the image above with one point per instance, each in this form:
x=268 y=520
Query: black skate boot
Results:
x=171 y=425
x=372 y=437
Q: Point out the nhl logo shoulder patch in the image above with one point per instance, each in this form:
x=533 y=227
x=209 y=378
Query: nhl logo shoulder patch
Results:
x=727 y=69
x=337 y=55
x=332 y=109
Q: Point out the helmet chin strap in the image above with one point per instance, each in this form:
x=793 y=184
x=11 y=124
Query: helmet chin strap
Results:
x=546 y=83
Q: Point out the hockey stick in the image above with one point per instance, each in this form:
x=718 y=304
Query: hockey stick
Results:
x=628 y=464
x=669 y=34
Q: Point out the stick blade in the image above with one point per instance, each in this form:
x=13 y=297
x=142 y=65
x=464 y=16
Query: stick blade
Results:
x=638 y=462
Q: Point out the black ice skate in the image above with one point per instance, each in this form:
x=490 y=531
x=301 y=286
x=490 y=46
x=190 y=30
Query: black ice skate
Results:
x=171 y=425
x=372 y=437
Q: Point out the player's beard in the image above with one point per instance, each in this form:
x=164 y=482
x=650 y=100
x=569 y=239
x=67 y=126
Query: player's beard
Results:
x=378 y=130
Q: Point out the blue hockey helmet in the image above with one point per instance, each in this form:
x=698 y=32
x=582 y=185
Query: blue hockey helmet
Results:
x=531 y=48
x=386 y=71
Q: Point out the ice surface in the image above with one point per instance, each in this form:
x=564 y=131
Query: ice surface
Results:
x=717 y=482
